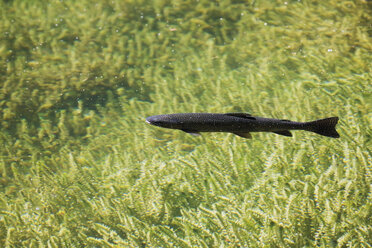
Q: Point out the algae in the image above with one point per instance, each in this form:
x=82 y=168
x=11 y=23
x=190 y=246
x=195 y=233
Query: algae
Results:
x=79 y=166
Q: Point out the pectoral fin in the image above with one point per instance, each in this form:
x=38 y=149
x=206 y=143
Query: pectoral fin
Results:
x=192 y=132
x=285 y=133
x=244 y=135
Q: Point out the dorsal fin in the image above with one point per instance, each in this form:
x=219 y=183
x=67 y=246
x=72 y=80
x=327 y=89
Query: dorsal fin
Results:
x=241 y=115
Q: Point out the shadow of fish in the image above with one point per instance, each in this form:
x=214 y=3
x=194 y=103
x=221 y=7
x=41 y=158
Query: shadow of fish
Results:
x=241 y=124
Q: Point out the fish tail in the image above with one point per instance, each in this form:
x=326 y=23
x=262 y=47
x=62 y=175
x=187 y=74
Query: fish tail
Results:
x=325 y=127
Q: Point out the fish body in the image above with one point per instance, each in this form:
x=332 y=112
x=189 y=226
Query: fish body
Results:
x=241 y=124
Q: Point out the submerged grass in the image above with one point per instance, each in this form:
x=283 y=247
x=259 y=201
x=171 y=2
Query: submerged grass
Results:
x=80 y=167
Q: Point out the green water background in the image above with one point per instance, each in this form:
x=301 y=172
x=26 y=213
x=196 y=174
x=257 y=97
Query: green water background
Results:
x=80 y=167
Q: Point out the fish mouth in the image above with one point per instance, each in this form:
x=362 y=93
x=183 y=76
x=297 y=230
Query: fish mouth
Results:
x=153 y=120
x=157 y=120
x=150 y=120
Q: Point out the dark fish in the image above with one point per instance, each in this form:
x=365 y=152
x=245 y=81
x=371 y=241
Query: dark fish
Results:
x=240 y=124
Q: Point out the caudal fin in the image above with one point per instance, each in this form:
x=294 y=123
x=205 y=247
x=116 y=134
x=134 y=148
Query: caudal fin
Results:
x=324 y=127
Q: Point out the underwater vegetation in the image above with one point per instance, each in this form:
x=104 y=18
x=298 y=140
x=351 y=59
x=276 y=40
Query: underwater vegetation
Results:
x=79 y=167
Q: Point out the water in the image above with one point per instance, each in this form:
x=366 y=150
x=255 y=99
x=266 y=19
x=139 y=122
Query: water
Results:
x=80 y=167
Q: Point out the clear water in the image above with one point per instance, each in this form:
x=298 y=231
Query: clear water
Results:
x=80 y=166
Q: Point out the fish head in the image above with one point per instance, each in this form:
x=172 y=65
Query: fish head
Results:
x=165 y=121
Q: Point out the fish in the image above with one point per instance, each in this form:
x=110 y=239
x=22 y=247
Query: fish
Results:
x=241 y=124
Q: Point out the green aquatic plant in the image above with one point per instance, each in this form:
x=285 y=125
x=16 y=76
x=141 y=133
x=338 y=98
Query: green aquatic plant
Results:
x=80 y=167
